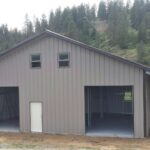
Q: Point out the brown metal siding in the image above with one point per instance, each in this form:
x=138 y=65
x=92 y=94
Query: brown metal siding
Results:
x=147 y=104
x=62 y=90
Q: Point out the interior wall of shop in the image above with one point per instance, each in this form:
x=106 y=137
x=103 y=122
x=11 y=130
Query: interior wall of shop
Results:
x=9 y=103
x=109 y=100
x=61 y=90
x=147 y=105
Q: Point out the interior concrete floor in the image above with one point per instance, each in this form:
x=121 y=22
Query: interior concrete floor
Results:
x=112 y=126
x=9 y=126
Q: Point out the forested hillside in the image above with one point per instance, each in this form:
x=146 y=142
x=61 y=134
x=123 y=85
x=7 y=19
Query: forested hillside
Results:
x=113 y=26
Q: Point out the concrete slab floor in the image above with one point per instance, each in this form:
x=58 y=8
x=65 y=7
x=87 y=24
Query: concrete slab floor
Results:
x=9 y=126
x=112 y=126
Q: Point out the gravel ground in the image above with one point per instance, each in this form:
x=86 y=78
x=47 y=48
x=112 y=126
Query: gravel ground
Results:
x=69 y=142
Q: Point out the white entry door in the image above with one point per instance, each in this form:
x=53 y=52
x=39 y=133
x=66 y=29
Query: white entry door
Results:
x=36 y=116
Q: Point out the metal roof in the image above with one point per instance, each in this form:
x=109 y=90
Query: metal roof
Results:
x=50 y=33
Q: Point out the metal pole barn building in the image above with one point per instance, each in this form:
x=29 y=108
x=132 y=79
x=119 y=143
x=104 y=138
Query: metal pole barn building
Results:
x=52 y=84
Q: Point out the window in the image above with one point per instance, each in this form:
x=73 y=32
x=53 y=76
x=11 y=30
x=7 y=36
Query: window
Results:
x=35 y=61
x=63 y=60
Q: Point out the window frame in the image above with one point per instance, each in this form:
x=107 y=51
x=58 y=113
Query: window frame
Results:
x=66 y=60
x=40 y=61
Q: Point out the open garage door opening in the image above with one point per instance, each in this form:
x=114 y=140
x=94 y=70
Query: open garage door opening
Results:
x=109 y=111
x=9 y=109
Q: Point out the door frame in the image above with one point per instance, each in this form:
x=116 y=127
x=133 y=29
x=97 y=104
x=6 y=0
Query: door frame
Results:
x=85 y=101
x=30 y=114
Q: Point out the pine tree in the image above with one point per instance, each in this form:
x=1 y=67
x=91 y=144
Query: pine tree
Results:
x=93 y=12
x=118 y=24
x=58 y=20
x=26 y=24
x=81 y=16
x=137 y=13
x=28 y=27
x=127 y=26
x=102 y=11
x=72 y=30
x=74 y=13
x=44 y=24
x=123 y=30
x=37 y=26
x=66 y=19
x=140 y=52
x=90 y=12
x=142 y=32
x=51 y=21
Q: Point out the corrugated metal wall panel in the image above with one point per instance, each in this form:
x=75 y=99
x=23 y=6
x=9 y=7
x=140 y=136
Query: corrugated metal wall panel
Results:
x=62 y=90
x=147 y=104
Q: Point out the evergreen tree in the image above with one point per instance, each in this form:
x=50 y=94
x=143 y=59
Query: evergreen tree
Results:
x=51 y=21
x=37 y=26
x=142 y=32
x=123 y=30
x=102 y=11
x=4 y=36
x=127 y=26
x=72 y=30
x=93 y=12
x=140 y=52
x=67 y=19
x=44 y=24
x=58 y=20
x=118 y=24
x=74 y=13
x=90 y=12
x=137 y=13
x=28 y=27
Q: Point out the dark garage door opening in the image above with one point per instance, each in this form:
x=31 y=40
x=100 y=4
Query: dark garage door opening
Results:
x=9 y=109
x=109 y=111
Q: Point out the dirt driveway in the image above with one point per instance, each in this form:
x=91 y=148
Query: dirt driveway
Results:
x=68 y=142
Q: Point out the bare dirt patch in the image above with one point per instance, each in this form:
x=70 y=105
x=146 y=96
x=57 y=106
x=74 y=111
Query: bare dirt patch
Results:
x=67 y=142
